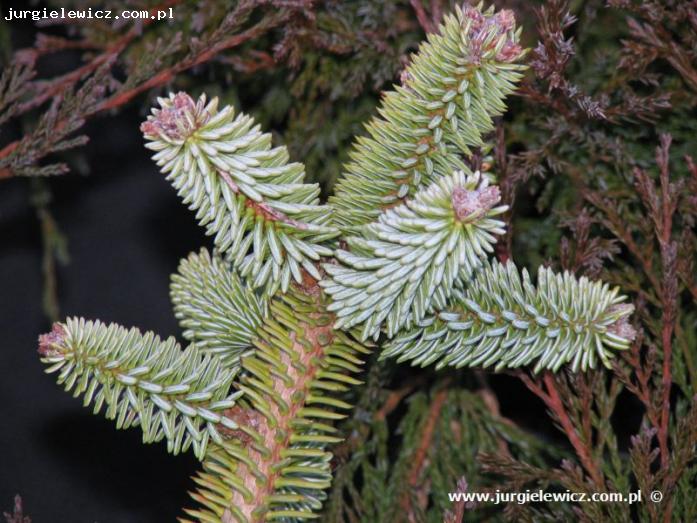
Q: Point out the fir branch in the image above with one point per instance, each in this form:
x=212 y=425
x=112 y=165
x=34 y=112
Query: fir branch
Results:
x=275 y=466
x=419 y=226
x=504 y=321
x=142 y=381
x=215 y=309
x=454 y=87
x=244 y=191
x=411 y=259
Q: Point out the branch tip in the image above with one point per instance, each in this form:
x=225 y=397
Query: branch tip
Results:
x=178 y=118
x=471 y=204
x=621 y=326
x=51 y=343
x=479 y=27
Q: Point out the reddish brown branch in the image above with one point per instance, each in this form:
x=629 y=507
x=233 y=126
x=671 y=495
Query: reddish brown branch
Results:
x=309 y=349
x=458 y=514
x=554 y=403
x=425 y=21
x=168 y=74
x=666 y=383
x=669 y=291
x=158 y=80
x=421 y=453
x=394 y=398
x=48 y=89
x=427 y=436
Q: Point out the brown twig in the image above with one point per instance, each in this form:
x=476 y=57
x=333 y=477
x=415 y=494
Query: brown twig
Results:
x=459 y=506
x=424 y=20
x=48 y=89
x=553 y=401
x=421 y=452
x=669 y=297
x=395 y=397
x=168 y=74
x=163 y=77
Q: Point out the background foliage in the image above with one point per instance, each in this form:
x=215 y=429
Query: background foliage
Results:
x=593 y=158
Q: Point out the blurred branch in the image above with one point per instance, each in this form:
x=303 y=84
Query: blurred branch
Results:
x=54 y=89
x=54 y=246
x=17 y=515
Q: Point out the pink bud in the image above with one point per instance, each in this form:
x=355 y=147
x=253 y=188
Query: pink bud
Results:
x=504 y=20
x=50 y=344
x=468 y=204
x=621 y=327
x=509 y=52
x=172 y=120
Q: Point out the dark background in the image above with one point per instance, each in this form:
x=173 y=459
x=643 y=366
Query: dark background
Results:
x=126 y=231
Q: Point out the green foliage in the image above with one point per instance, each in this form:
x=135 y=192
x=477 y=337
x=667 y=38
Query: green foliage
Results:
x=214 y=308
x=271 y=318
x=503 y=320
x=142 y=381
x=245 y=192
x=276 y=465
x=442 y=429
x=429 y=125
x=602 y=191
x=411 y=258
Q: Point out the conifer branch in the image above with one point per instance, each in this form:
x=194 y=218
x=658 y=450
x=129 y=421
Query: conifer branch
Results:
x=429 y=126
x=14 y=156
x=142 y=381
x=214 y=308
x=502 y=320
x=264 y=218
x=419 y=226
x=411 y=259
x=276 y=466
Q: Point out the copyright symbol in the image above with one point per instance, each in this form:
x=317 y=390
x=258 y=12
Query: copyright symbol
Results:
x=656 y=496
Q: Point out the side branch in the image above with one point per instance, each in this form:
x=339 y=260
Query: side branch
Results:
x=158 y=80
x=554 y=403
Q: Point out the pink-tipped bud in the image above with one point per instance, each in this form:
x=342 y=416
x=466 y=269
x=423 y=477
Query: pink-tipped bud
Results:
x=481 y=27
x=510 y=52
x=475 y=17
x=178 y=118
x=621 y=327
x=470 y=204
x=504 y=20
x=51 y=344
